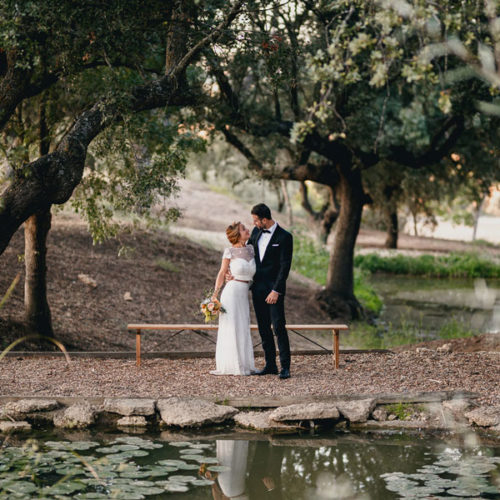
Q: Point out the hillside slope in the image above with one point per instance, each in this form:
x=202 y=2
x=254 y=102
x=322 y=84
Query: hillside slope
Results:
x=165 y=276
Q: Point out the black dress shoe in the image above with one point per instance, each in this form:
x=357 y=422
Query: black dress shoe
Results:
x=285 y=373
x=267 y=371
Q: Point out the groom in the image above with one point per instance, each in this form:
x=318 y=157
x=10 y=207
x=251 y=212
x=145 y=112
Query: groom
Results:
x=273 y=256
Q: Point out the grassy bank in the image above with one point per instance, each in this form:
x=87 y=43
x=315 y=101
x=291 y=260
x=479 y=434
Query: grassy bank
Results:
x=311 y=260
x=453 y=265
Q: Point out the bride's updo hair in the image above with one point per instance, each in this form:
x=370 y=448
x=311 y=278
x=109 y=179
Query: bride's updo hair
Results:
x=233 y=232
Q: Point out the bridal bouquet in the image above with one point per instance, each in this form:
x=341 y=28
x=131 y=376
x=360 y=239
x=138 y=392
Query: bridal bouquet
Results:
x=211 y=309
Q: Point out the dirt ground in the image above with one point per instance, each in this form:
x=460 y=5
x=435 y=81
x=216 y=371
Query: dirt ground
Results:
x=162 y=278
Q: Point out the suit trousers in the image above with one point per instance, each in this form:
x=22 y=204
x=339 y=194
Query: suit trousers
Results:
x=267 y=315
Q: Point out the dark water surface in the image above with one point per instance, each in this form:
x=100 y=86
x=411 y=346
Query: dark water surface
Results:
x=375 y=465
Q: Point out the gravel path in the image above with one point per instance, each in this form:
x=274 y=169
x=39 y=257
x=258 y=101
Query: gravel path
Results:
x=404 y=372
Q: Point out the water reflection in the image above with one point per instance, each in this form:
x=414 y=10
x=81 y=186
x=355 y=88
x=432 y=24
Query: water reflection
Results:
x=337 y=465
x=349 y=467
x=232 y=483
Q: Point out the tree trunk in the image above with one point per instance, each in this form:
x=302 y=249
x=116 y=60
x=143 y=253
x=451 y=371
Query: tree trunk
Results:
x=391 y=240
x=36 y=307
x=338 y=299
x=326 y=217
x=36 y=228
x=477 y=214
x=286 y=199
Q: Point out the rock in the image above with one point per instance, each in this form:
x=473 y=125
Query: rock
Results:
x=134 y=421
x=11 y=427
x=85 y=278
x=391 y=417
x=306 y=411
x=422 y=350
x=380 y=414
x=357 y=410
x=128 y=407
x=183 y=412
x=444 y=348
x=456 y=408
x=77 y=416
x=127 y=296
x=261 y=421
x=399 y=424
x=23 y=406
x=484 y=416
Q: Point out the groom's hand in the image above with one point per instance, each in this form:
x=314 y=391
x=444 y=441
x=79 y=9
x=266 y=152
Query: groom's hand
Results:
x=229 y=276
x=272 y=298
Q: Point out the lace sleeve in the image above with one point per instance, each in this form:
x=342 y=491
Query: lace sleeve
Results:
x=227 y=254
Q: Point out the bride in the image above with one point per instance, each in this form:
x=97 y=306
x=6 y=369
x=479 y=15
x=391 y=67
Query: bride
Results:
x=234 y=351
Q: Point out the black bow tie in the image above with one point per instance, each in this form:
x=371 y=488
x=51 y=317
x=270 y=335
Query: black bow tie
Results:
x=266 y=231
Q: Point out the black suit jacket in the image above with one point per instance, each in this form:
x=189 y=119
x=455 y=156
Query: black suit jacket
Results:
x=272 y=272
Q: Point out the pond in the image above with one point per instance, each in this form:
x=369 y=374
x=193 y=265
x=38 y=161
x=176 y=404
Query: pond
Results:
x=429 y=304
x=333 y=465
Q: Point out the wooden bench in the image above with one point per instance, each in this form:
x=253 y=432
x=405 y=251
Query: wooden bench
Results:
x=140 y=328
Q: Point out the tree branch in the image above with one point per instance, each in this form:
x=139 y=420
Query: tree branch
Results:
x=52 y=178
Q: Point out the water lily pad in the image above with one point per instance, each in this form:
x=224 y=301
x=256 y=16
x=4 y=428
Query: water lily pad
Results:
x=201 y=446
x=142 y=443
x=180 y=444
x=108 y=449
x=442 y=483
x=92 y=496
x=160 y=470
x=457 y=492
x=82 y=445
x=68 y=471
x=178 y=478
x=190 y=451
x=58 y=445
x=392 y=475
x=202 y=482
x=125 y=494
x=219 y=468
x=152 y=490
x=400 y=484
x=421 y=492
x=176 y=488
x=137 y=474
x=433 y=469
x=134 y=453
x=171 y=462
x=55 y=454
x=189 y=467
x=490 y=490
x=65 y=488
x=20 y=487
x=419 y=476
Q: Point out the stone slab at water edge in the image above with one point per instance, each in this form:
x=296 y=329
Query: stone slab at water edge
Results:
x=453 y=414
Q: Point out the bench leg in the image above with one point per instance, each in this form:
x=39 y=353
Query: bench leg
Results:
x=336 y=348
x=138 y=348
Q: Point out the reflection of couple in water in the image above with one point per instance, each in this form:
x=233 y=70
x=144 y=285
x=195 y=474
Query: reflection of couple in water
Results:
x=261 y=480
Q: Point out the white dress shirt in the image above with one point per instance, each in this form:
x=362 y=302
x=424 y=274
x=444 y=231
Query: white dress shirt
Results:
x=264 y=240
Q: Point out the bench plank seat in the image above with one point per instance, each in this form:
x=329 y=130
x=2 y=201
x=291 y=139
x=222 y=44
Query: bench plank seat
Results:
x=138 y=328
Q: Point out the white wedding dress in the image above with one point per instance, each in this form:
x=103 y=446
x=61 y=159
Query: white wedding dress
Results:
x=234 y=351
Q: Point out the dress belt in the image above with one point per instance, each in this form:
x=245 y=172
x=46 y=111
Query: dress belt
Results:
x=241 y=281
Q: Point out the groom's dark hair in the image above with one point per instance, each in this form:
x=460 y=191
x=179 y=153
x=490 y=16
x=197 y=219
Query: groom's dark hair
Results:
x=262 y=211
